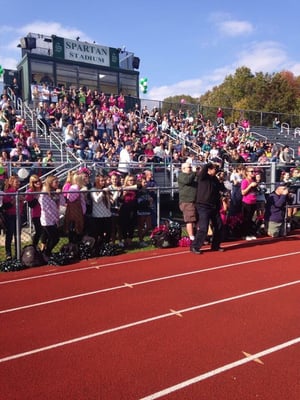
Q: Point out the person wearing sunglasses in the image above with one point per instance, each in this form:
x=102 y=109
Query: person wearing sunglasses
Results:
x=249 y=193
x=32 y=198
x=50 y=199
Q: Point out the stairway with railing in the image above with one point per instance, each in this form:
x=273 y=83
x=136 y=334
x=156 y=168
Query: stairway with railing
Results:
x=64 y=158
x=54 y=141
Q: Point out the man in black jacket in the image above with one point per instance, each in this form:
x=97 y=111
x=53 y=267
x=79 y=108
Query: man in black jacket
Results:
x=208 y=204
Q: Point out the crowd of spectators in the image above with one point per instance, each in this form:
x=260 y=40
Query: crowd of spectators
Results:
x=96 y=127
x=102 y=130
x=19 y=146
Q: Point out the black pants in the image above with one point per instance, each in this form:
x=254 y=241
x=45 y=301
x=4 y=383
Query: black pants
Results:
x=11 y=229
x=208 y=214
x=51 y=234
x=38 y=230
x=248 y=211
x=127 y=221
x=100 y=229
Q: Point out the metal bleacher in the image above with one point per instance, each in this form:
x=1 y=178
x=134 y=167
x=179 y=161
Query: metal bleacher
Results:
x=65 y=159
x=285 y=136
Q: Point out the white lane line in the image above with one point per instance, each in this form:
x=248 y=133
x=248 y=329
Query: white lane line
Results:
x=131 y=285
x=220 y=370
x=92 y=267
x=76 y=296
x=119 y=263
x=145 y=321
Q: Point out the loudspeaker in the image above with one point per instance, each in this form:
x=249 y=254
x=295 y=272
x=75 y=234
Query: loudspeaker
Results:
x=31 y=43
x=136 y=63
x=28 y=43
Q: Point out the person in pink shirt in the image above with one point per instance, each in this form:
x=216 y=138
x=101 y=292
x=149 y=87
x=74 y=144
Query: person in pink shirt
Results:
x=76 y=209
x=20 y=124
x=112 y=101
x=246 y=124
x=219 y=115
x=9 y=205
x=50 y=200
x=32 y=196
x=121 y=102
x=248 y=189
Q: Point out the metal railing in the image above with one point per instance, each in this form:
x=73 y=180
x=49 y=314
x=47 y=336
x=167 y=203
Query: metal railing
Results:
x=24 y=235
x=256 y=117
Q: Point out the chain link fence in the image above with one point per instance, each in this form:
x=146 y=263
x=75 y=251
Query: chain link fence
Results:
x=256 y=118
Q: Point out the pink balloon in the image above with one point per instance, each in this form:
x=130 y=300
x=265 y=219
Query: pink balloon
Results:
x=182 y=101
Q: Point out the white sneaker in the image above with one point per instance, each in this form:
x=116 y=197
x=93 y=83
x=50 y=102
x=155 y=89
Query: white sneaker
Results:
x=248 y=237
x=253 y=237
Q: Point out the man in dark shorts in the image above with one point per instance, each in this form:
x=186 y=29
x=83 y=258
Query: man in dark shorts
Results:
x=187 y=187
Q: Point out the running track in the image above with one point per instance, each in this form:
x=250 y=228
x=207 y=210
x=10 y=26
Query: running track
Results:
x=157 y=324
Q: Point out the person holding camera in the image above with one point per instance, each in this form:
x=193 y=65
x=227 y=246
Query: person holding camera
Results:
x=260 y=197
x=275 y=210
x=249 y=192
x=208 y=204
x=187 y=189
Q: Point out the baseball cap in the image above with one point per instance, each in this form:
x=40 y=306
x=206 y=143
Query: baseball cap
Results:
x=280 y=184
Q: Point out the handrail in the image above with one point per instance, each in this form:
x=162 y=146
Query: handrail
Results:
x=61 y=170
x=56 y=141
x=58 y=171
x=41 y=127
x=28 y=114
x=149 y=120
x=196 y=150
x=285 y=127
x=259 y=134
x=296 y=132
x=11 y=94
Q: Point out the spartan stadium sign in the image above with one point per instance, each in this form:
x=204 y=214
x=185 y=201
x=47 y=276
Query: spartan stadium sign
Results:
x=90 y=53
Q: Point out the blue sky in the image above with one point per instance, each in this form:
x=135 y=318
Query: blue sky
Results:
x=185 y=47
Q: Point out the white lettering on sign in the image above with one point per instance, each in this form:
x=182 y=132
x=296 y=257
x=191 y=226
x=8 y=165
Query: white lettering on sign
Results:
x=86 y=52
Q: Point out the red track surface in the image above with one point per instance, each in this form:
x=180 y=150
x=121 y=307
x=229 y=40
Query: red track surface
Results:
x=158 y=324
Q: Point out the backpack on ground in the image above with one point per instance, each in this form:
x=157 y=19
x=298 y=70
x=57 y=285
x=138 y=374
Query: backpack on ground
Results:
x=167 y=234
x=87 y=247
x=31 y=257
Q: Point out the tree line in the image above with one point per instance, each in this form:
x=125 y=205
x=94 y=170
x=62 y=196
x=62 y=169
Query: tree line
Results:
x=277 y=93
